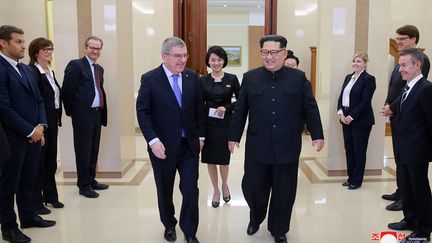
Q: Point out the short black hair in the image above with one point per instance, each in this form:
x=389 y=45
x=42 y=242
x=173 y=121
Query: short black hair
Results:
x=7 y=30
x=276 y=38
x=292 y=56
x=218 y=51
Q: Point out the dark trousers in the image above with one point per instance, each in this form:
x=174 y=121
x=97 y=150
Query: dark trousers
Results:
x=164 y=173
x=416 y=195
x=394 y=142
x=18 y=177
x=281 y=180
x=47 y=189
x=87 y=134
x=356 y=143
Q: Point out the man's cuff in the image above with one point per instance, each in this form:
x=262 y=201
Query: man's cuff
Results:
x=351 y=117
x=153 y=141
x=340 y=112
x=202 y=138
x=31 y=134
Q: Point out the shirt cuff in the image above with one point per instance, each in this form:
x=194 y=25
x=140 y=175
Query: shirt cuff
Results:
x=340 y=112
x=202 y=138
x=31 y=134
x=153 y=141
x=351 y=117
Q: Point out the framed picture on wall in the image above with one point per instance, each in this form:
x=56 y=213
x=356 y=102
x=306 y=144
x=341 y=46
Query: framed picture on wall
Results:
x=234 y=55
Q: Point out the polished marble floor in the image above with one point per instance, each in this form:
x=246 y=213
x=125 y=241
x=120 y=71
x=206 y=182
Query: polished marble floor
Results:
x=324 y=211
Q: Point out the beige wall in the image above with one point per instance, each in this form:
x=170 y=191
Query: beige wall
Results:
x=152 y=23
x=230 y=29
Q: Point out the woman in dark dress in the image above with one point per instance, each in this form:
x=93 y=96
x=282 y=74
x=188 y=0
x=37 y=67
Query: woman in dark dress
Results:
x=218 y=88
x=40 y=52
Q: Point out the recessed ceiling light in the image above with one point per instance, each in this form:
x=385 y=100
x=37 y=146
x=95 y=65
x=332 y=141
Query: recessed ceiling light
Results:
x=225 y=5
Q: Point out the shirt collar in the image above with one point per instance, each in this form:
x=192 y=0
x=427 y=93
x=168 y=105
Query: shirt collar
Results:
x=10 y=60
x=90 y=60
x=414 y=81
x=168 y=73
x=41 y=70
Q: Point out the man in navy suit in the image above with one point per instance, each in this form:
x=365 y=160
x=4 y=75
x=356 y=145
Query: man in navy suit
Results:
x=170 y=115
x=414 y=139
x=407 y=36
x=278 y=101
x=84 y=100
x=23 y=113
x=4 y=146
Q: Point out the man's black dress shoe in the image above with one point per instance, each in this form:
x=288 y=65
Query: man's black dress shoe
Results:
x=391 y=197
x=401 y=225
x=15 y=236
x=251 y=229
x=280 y=239
x=396 y=206
x=345 y=183
x=417 y=237
x=56 y=204
x=89 y=193
x=170 y=234
x=191 y=239
x=99 y=186
x=37 y=222
x=43 y=210
x=353 y=187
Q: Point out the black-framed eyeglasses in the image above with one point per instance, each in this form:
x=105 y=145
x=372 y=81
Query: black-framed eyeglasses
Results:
x=48 y=50
x=401 y=38
x=272 y=53
x=95 y=48
x=179 y=56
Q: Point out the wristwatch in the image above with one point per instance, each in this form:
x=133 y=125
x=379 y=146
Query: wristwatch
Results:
x=45 y=126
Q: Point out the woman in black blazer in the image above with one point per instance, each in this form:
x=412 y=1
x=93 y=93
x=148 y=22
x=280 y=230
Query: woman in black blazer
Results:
x=356 y=116
x=40 y=52
x=218 y=88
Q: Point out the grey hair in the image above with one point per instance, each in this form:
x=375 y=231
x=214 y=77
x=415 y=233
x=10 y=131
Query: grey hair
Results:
x=171 y=42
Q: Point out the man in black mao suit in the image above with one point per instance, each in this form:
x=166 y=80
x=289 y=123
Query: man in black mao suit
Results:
x=407 y=36
x=84 y=99
x=170 y=115
x=23 y=113
x=414 y=139
x=279 y=102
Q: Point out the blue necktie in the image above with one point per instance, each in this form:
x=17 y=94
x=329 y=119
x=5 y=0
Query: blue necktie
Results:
x=23 y=75
x=176 y=89
x=395 y=71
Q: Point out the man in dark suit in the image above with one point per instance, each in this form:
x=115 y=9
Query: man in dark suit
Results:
x=23 y=114
x=84 y=99
x=170 y=115
x=279 y=102
x=407 y=36
x=414 y=139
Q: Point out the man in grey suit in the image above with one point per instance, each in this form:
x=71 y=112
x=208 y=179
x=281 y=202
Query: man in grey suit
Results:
x=279 y=102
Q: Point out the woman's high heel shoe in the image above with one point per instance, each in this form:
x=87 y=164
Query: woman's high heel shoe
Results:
x=227 y=198
x=215 y=204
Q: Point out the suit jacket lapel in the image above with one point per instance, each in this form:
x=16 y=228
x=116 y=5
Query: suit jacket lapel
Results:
x=14 y=72
x=186 y=89
x=87 y=69
x=166 y=86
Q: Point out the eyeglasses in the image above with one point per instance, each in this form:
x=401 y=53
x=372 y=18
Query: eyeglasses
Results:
x=48 y=49
x=401 y=38
x=95 y=48
x=272 y=53
x=179 y=56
